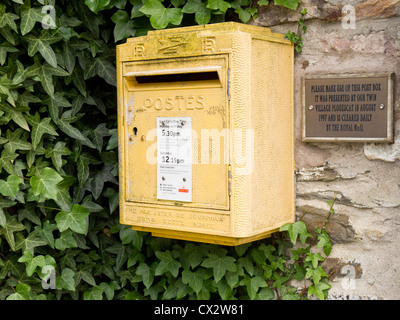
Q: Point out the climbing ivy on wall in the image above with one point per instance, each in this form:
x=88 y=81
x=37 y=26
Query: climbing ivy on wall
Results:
x=60 y=236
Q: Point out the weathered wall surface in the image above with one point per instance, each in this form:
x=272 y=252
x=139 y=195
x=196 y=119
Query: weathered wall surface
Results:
x=366 y=226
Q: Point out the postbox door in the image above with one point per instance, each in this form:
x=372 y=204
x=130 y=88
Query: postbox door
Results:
x=176 y=127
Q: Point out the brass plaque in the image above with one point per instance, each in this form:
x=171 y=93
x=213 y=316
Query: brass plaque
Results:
x=352 y=108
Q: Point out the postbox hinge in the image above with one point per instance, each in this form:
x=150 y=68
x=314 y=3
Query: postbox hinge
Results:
x=229 y=179
x=229 y=85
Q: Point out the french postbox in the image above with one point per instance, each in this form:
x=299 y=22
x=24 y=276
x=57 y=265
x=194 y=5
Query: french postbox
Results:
x=206 y=133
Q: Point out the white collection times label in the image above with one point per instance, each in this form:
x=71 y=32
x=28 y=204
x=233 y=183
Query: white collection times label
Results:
x=174 y=158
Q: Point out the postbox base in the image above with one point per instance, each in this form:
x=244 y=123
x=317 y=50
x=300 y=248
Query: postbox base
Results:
x=206 y=238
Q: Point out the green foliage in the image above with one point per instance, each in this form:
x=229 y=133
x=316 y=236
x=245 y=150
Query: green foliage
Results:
x=296 y=37
x=59 y=222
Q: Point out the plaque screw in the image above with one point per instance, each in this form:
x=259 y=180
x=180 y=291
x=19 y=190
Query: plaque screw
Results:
x=143 y=138
x=382 y=106
x=311 y=107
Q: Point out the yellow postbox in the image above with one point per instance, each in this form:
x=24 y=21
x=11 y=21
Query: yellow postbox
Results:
x=206 y=133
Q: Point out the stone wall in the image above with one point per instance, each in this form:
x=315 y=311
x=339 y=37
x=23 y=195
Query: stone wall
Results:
x=365 y=228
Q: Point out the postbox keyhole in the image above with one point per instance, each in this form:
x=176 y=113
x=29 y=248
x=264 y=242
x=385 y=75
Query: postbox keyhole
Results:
x=135 y=130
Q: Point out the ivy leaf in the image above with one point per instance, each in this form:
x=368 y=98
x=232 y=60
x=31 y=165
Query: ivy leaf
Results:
x=128 y=235
x=55 y=104
x=291 y=4
x=45 y=183
x=99 y=133
x=291 y=296
x=4 y=49
x=66 y=280
x=22 y=292
x=95 y=293
x=219 y=265
x=137 y=4
x=103 y=67
x=266 y=293
x=15 y=143
x=29 y=16
x=113 y=197
x=300 y=272
x=195 y=254
x=39 y=128
x=64 y=199
x=10 y=187
x=104 y=175
x=90 y=20
x=324 y=242
x=124 y=27
x=315 y=274
x=247 y=263
x=15 y=114
x=147 y=274
x=26 y=98
x=194 y=279
x=314 y=258
x=46 y=73
x=32 y=262
x=29 y=243
x=244 y=14
x=232 y=279
x=7 y=19
x=218 y=5
x=202 y=13
x=67 y=128
x=253 y=284
x=296 y=229
x=4 y=203
x=85 y=272
x=224 y=290
x=160 y=16
x=6 y=160
x=74 y=220
x=167 y=263
x=83 y=166
x=56 y=154
x=46 y=232
x=42 y=44
x=122 y=255
x=9 y=228
x=109 y=288
x=318 y=290
x=66 y=240
x=96 y=5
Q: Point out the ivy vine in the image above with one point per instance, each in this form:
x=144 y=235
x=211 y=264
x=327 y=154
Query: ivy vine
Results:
x=60 y=236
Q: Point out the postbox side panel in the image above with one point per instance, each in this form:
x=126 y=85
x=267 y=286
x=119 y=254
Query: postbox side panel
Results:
x=189 y=89
x=273 y=122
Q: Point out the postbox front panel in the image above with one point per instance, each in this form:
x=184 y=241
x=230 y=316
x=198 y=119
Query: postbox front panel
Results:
x=177 y=132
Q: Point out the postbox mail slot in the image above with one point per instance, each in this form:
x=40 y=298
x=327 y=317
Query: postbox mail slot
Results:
x=179 y=77
x=203 y=76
